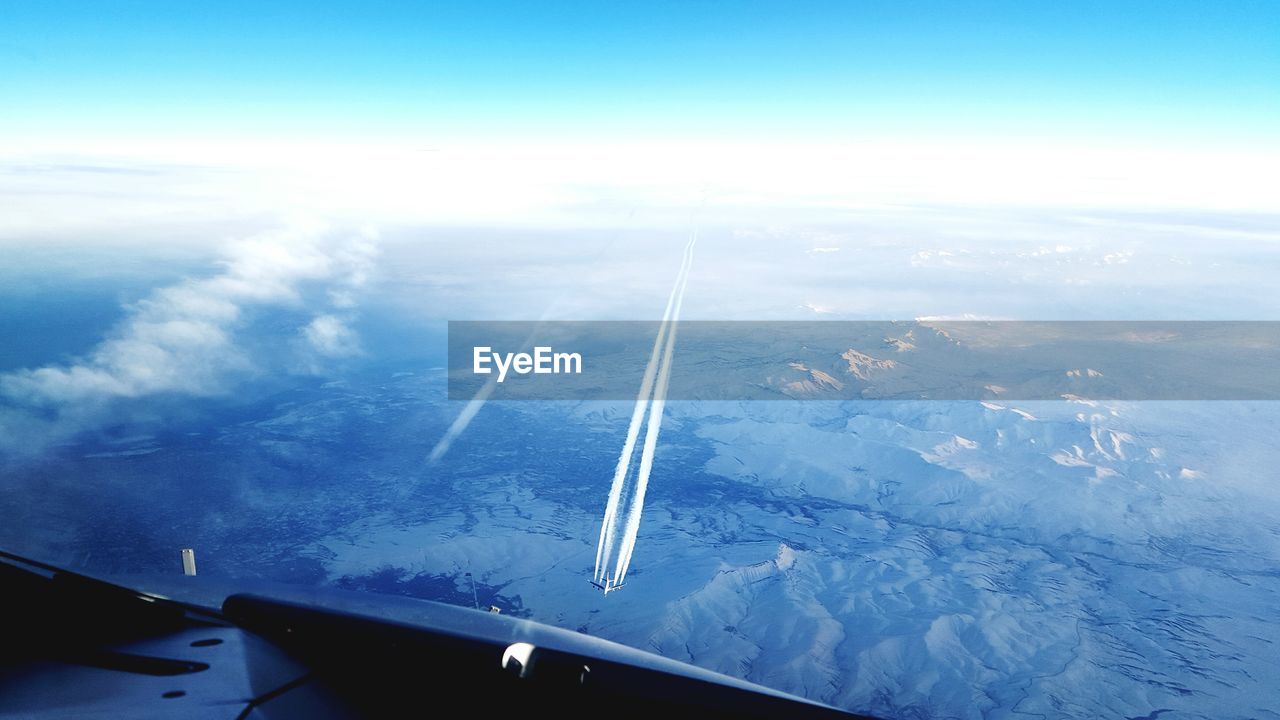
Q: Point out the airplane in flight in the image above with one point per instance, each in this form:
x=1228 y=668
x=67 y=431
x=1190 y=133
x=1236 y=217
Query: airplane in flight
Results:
x=609 y=585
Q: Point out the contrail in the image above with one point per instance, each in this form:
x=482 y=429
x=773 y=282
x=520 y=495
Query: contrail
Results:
x=651 y=433
x=608 y=527
x=477 y=401
x=659 y=369
x=461 y=422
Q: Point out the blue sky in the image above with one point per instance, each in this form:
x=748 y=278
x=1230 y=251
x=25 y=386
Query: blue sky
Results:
x=1199 y=73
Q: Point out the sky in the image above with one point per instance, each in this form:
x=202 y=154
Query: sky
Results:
x=1163 y=74
x=205 y=203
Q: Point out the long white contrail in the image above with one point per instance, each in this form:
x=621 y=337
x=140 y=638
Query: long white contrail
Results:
x=461 y=422
x=651 y=434
x=608 y=528
x=477 y=402
x=651 y=399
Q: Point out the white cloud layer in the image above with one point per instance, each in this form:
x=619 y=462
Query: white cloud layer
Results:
x=188 y=338
x=584 y=184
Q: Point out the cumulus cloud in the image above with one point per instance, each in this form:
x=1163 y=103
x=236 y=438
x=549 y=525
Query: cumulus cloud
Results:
x=330 y=336
x=189 y=338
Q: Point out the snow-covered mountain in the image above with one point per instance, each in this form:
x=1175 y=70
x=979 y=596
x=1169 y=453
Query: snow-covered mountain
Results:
x=959 y=559
x=910 y=559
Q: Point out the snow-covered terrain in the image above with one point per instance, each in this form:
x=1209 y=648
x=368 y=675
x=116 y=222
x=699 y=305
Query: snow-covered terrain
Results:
x=957 y=559
x=984 y=558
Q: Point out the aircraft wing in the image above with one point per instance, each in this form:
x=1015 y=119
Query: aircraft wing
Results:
x=76 y=646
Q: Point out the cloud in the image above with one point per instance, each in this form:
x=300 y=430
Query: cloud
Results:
x=819 y=309
x=191 y=338
x=330 y=337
